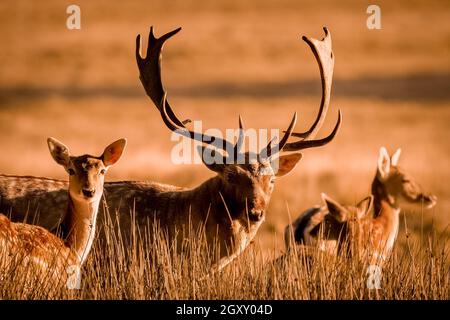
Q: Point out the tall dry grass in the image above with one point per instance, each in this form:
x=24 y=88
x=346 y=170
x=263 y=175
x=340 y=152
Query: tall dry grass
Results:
x=148 y=266
x=233 y=58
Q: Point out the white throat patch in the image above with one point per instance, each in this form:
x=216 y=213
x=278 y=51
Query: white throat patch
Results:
x=266 y=171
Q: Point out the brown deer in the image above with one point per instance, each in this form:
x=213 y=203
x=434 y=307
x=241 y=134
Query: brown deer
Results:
x=229 y=207
x=31 y=246
x=334 y=224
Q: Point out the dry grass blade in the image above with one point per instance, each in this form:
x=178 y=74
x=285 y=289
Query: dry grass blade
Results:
x=147 y=266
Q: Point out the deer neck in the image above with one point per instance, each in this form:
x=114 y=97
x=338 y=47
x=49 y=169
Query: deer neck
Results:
x=79 y=226
x=222 y=199
x=380 y=196
x=388 y=218
x=386 y=215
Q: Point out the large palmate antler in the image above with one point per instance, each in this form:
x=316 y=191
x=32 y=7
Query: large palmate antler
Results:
x=150 y=68
x=323 y=52
x=150 y=76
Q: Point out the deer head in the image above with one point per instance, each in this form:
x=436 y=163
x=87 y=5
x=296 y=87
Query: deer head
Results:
x=394 y=185
x=342 y=213
x=343 y=223
x=250 y=183
x=86 y=172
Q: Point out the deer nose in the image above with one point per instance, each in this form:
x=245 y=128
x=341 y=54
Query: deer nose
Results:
x=88 y=193
x=256 y=215
x=431 y=199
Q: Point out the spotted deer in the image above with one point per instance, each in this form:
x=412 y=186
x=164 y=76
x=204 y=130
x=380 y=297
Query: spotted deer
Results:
x=229 y=207
x=333 y=224
x=31 y=246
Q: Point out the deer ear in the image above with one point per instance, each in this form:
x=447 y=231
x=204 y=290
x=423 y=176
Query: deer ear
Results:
x=395 y=157
x=211 y=159
x=364 y=206
x=285 y=163
x=337 y=211
x=384 y=163
x=113 y=152
x=59 y=152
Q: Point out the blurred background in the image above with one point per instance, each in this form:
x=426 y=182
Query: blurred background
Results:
x=234 y=57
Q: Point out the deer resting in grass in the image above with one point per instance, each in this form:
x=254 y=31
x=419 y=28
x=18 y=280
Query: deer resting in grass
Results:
x=32 y=246
x=229 y=207
x=335 y=226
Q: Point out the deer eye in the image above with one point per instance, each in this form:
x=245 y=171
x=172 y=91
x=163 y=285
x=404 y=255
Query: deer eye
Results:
x=103 y=171
x=272 y=181
x=71 y=171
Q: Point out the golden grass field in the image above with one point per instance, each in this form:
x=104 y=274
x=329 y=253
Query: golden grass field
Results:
x=247 y=58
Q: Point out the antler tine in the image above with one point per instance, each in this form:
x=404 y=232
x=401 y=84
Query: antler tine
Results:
x=150 y=70
x=181 y=129
x=323 y=52
x=304 y=144
x=268 y=151
x=240 y=141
